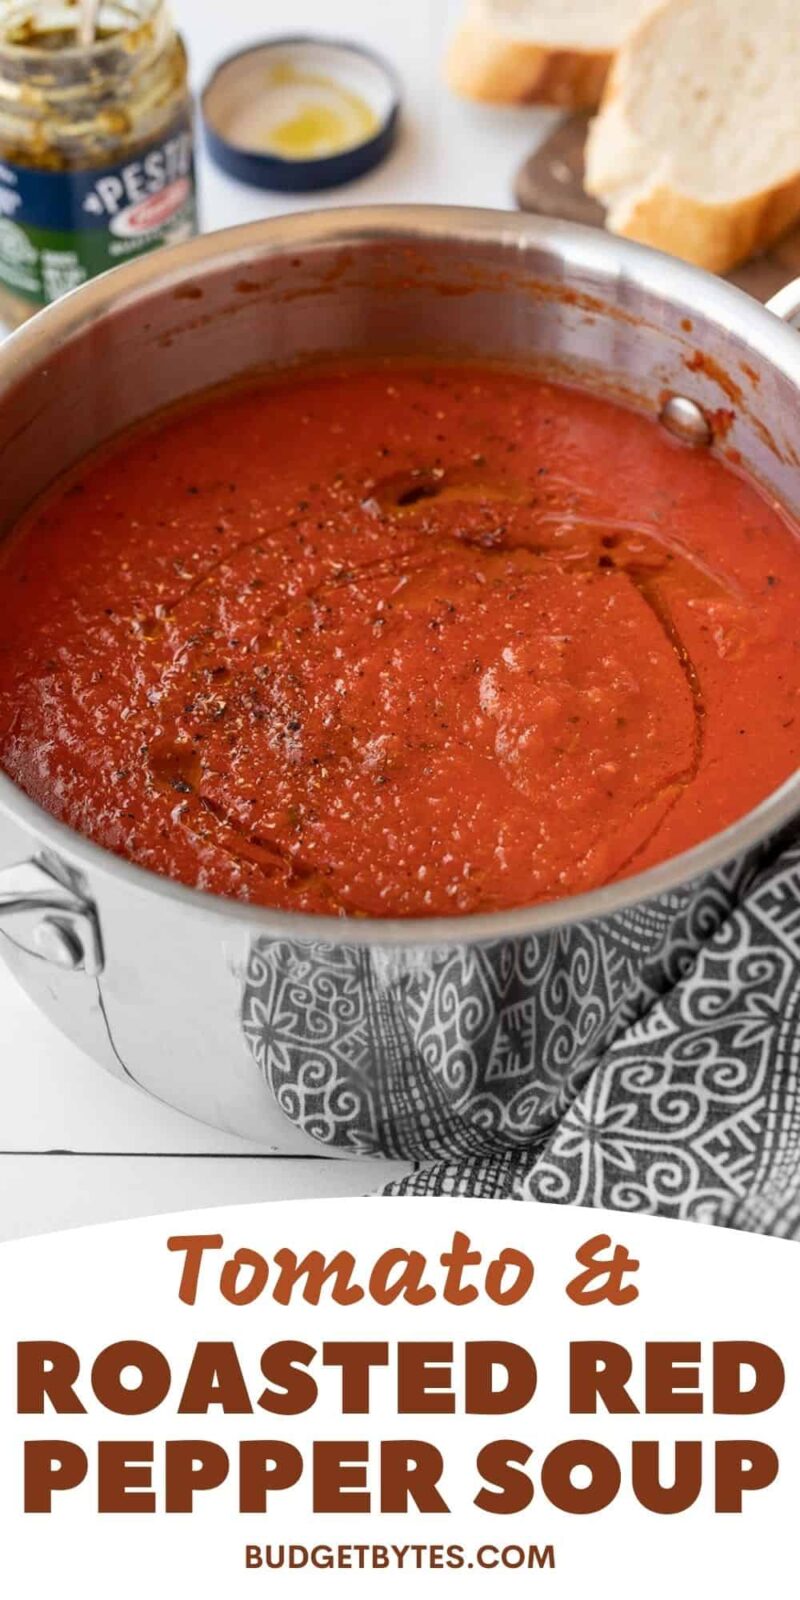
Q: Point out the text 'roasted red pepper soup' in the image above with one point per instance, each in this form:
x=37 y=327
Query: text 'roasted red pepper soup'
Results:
x=401 y=640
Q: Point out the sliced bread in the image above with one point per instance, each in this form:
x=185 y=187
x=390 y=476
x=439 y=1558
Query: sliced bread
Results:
x=696 y=148
x=557 y=52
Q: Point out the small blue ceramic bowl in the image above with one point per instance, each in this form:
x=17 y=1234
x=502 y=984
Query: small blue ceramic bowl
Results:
x=300 y=114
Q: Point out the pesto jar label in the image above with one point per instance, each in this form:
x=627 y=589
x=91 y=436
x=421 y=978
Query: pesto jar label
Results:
x=59 y=228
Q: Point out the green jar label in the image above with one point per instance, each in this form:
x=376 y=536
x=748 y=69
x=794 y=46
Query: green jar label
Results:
x=59 y=228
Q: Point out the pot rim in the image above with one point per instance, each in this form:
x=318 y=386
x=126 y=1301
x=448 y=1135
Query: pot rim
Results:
x=580 y=247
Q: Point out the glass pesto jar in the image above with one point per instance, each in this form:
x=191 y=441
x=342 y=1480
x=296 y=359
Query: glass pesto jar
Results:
x=96 y=146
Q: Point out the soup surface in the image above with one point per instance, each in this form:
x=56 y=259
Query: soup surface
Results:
x=403 y=641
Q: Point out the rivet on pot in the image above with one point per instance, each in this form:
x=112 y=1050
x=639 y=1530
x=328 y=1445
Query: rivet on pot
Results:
x=686 y=420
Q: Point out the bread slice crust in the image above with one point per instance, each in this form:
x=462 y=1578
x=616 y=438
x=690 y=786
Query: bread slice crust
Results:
x=484 y=65
x=716 y=237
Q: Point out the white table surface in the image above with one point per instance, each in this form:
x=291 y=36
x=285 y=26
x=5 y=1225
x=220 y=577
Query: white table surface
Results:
x=130 y=1155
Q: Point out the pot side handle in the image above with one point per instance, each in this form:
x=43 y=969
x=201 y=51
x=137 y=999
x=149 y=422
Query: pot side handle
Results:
x=43 y=917
x=786 y=303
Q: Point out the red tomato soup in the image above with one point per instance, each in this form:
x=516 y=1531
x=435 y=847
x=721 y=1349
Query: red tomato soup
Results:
x=401 y=640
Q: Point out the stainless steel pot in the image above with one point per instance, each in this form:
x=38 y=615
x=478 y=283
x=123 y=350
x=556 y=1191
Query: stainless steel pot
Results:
x=402 y=1038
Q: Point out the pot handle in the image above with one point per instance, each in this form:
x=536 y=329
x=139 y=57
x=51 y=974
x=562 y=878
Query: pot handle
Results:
x=45 y=919
x=786 y=303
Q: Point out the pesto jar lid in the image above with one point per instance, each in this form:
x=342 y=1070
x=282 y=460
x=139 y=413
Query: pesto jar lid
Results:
x=298 y=114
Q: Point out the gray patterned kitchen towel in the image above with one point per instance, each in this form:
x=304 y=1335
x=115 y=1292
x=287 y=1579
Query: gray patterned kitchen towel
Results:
x=694 y=1110
x=649 y=1064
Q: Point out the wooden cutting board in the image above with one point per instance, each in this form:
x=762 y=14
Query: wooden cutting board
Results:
x=550 y=182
